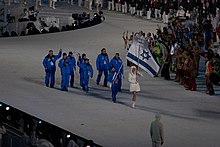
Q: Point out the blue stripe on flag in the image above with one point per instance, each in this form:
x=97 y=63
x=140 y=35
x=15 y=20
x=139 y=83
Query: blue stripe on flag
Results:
x=142 y=63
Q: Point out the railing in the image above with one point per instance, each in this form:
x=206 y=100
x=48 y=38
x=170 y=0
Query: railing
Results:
x=24 y=130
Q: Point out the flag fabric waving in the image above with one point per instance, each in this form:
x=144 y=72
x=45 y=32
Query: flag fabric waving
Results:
x=140 y=55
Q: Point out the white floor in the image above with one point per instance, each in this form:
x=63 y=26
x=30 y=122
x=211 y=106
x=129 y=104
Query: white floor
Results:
x=191 y=119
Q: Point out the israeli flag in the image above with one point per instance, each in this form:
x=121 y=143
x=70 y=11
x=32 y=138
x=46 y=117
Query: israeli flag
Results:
x=140 y=55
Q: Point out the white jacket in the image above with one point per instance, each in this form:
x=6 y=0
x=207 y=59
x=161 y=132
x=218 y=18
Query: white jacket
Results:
x=132 y=78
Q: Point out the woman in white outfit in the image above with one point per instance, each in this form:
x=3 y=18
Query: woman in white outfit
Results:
x=134 y=85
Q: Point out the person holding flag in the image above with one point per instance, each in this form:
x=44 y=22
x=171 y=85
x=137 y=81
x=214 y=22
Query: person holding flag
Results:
x=134 y=85
x=117 y=63
x=113 y=79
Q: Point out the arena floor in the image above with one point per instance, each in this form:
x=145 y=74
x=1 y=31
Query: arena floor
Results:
x=191 y=119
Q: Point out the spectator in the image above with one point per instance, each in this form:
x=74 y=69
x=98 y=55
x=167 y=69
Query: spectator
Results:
x=209 y=70
x=157 y=132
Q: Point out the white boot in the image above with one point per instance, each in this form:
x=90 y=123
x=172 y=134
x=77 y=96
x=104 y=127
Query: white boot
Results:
x=133 y=104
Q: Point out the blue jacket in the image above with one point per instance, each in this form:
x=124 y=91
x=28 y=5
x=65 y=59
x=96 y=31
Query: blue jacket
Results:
x=102 y=62
x=64 y=67
x=72 y=63
x=50 y=63
x=79 y=62
x=110 y=77
x=86 y=71
x=117 y=63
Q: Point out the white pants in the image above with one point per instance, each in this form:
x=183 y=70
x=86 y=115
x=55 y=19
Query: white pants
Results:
x=125 y=8
x=37 y=3
x=149 y=14
x=70 y=1
x=109 y=5
x=157 y=13
x=165 y=18
x=98 y=6
x=90 y=5
x=139 y=13
x=132 y=10
x=52 y=4
x=79 y=3
x=118 y=7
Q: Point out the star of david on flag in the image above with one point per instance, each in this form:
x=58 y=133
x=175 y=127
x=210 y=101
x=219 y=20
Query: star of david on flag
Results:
x=140 y=55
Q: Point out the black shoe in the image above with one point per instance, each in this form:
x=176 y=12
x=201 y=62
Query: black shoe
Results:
x=97 y=83
x=119 y=90
x=65 y=89
x=62 y=89
x=72 y=86
x=105 y=85
x=51 y=86
x=47 y=85
x=211 y=93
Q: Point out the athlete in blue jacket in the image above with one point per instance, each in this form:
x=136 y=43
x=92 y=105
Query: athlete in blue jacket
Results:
x=72 y=63
x=87 y=72
x=49 y=64
x=117 y=63
x=102 y=62
x=79 y=62
x=113 y=78
x=65 y=72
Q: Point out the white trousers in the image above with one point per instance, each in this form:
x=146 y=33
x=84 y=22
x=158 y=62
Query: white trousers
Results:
x=132 y=10
x=125 y=8
x=165 y=18
x=90 y=5
x=52 y=4
x=79 y=3
x=157 y=13
x=149 y=14
x=118 y=7
x=139 y=13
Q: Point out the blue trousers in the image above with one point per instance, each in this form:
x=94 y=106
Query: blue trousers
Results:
x=115 y=87
x=81 y=79
x=65 y=81
x=86 y=84
x=119 y=81
x=50 y=77
x=100 y=75
x=72 y=78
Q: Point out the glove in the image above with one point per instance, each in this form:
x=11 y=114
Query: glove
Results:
x=47 y=70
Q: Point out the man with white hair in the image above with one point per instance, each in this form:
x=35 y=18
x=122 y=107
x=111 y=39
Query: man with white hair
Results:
x=156 y=132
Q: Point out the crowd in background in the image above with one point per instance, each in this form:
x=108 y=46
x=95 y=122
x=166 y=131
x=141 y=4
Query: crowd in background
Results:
x=180 y=45
x=166 y=9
